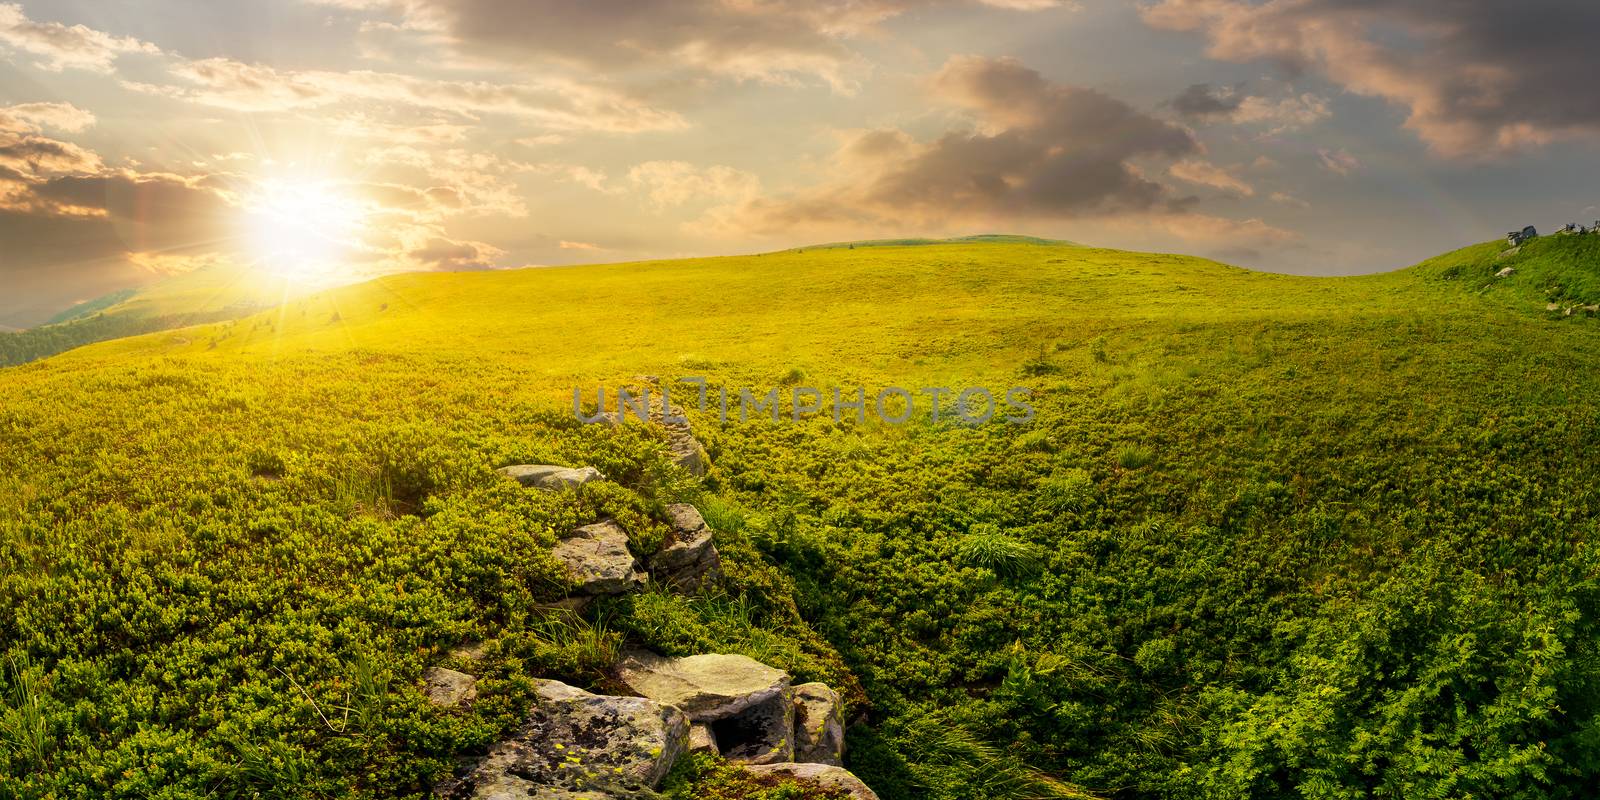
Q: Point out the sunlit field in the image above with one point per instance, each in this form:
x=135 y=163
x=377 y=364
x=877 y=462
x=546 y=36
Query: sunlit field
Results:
x=1267 y=536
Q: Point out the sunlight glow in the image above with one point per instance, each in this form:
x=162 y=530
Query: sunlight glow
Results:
x=304 y=230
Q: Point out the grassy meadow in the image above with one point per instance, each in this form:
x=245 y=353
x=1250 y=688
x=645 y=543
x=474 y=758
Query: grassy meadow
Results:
x=1267 y=536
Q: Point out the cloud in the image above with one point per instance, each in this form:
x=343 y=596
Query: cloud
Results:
x=1202 y=101
x=35 y=117
x=61 y=47
x=1478 y=78
x=37 y=157
x=74 y=228
x=767 y=40
x=1284 y=114
x=676 y=183
x=1229 y=239
x=450 y=255
x=553 y=102
x=1222 y=232
x=575 y=173
x=1206 y=173
x=435 y=132
x=1284 y=198
x=467 y=181
x=1040 y=150
x=569 y=245
x=1338 y=161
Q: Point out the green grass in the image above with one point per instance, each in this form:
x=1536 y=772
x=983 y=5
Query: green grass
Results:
x=1267 y=535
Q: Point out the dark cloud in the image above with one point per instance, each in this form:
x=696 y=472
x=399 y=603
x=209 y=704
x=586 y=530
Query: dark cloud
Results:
x=73 y=229
x=453 y=256
x=157 y=205
x=1041 y=150
x=38 y=156
x=1202 y=101
x=75 y=238
x=1478 y=77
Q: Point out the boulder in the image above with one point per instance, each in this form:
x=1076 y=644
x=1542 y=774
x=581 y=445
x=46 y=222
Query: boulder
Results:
x=574 y=744
x=448 y=688
x=748 y=705
x=597 y=558
x=1506 y=272
x=550 y=476
x=818 y=725
x=827 y=776
x=688 y=558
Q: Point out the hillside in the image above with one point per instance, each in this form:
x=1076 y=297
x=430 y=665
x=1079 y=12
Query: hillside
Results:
x=1266 y=536
x=206 y=295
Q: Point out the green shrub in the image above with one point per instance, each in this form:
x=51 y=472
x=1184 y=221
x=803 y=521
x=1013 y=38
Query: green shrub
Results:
x=988 y=548
x=1135 y=456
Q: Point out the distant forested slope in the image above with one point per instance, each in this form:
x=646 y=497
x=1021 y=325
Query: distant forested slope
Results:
x=35 y=343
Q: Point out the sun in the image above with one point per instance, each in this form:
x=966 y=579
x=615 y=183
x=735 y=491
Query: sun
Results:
x=305 y=230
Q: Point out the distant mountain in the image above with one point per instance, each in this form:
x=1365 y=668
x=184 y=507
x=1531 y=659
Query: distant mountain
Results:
x=89 y=307
x=207 y=295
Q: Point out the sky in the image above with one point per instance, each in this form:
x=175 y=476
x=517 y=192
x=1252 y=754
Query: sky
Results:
x=333 y=140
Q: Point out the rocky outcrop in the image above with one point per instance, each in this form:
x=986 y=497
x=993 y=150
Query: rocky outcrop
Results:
x=448 y=688
x=818 y=725
x=748 y=706
x=576 y=744
x=824 y=775
x=688 y=557
x=598 y=561
x=683 y=448
x=550 y=476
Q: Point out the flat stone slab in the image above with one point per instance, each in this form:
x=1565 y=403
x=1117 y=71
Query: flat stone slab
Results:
x=447 y=687
x=551 y=476
x=597 y=558
x=825 y=775
x=578 y=745
x=707 y=687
